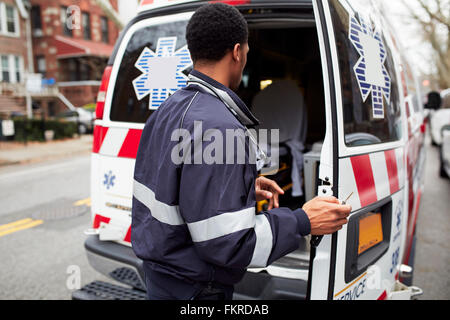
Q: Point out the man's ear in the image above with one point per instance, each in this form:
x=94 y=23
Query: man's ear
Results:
x=237 y=52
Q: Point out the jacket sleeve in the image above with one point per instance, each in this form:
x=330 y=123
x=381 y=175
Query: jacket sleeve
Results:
x=217 y=202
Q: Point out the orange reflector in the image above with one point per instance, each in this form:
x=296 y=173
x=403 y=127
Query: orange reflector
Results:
x=370 y=232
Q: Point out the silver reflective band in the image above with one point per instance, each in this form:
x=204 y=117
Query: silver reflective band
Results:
x=160 y=211
x=264 y=242
x=214 y=227
x=222 y=225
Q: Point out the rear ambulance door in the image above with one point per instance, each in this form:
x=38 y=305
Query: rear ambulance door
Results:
x=362 y=157
x=151 y=63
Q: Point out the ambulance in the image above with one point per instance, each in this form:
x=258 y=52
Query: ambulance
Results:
x=335 y=70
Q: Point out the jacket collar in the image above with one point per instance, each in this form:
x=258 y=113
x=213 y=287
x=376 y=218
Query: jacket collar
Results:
x=226 y=95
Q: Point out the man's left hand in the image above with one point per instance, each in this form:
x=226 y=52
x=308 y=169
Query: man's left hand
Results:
x=267 y=189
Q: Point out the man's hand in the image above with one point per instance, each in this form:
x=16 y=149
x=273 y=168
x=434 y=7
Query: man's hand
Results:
x=267 y=189
x=326 y=215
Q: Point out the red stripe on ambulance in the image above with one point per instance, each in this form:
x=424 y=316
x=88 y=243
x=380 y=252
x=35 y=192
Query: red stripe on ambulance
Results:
x=362 y=169
x=116 y=142
x=391 y=164
x=98 y=219
x=99 y=136
x=130 y=144
x=128 y=235
x=375 y=176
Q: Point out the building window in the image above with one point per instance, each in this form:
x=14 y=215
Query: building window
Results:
x=9 y=20
x=72 y=70
x=11 y=68
x=64 y=15
x=18 y=68
x=51 y=108
x=41 y=65
x=86 y=21
x=36 y=21
x=5 y=69
x=104 y=26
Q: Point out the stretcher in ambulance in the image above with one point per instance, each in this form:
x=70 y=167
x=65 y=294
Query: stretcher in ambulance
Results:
x=333 y=78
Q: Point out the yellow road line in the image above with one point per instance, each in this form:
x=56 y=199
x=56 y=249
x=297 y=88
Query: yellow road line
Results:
x=28 y=225
x=15 y=223
x=86 y=201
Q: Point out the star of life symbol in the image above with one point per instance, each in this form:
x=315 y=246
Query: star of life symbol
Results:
x=370 y=71
x=399 y=214
x=109 y=179
x=161 y=71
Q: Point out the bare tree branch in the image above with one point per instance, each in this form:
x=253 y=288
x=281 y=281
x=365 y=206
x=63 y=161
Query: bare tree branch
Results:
x=431 y=23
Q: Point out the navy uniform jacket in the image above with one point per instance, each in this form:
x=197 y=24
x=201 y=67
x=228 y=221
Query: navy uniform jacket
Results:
x=197 y=222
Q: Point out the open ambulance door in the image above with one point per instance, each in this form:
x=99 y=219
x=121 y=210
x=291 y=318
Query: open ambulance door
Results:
x=362 y=157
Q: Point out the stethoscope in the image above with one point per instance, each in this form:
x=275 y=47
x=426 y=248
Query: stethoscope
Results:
x=261 y=158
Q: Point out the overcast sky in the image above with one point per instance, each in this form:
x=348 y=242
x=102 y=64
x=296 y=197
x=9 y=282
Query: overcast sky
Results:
x=417 y=50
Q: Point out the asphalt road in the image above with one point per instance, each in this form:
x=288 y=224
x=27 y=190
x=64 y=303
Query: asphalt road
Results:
x=432 y=261
x=35 y=261
x=36 y=257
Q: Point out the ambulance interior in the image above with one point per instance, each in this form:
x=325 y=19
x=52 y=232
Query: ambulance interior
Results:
x=283 y=86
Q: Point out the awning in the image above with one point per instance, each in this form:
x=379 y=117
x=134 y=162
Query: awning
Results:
x=70 y=48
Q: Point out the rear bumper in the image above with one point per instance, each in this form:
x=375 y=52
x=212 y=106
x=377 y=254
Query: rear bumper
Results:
x=115 y=261
x=263 y=286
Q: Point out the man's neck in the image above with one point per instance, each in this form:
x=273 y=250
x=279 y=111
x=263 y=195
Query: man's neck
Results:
x=216 y=71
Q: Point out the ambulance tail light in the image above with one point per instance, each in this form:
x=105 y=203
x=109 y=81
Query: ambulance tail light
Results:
x=101 y=96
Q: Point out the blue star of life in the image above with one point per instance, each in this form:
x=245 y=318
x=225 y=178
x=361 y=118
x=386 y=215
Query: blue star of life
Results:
x=109 y=179
x=370 y=71
x=162 y=71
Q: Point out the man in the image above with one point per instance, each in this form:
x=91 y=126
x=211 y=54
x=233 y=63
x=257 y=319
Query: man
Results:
x=194 y=224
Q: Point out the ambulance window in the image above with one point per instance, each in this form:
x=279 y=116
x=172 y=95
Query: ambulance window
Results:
x=125 y=106
x=370 y=98
x=411 y=86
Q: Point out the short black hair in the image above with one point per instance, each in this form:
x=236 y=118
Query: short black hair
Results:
x=213 y=29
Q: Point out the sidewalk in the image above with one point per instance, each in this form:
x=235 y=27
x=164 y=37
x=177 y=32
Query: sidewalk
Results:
x=18 y=153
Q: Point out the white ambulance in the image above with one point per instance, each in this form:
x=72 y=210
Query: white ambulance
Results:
x=362 y=141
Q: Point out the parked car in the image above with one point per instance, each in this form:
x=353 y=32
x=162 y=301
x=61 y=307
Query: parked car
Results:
x=439 y=107
x=84 y=118
x=445 y=152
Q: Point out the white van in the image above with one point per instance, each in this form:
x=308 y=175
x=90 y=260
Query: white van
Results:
x=364 y=143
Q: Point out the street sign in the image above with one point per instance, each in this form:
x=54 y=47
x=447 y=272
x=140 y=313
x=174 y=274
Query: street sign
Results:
x=7 y=128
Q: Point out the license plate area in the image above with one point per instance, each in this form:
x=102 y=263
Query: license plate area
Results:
x=370 y=231
x=368 y=237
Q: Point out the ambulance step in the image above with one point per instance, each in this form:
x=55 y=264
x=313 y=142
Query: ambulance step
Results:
x=99 y=290
x=127 y=276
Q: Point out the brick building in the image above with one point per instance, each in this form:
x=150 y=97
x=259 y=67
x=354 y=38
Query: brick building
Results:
x=71 y=43
x=15 y=40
